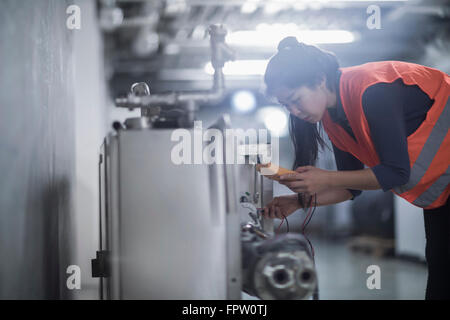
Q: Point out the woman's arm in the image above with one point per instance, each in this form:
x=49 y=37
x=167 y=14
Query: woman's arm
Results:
x=331 y=196
x=363 y=179
x=312 y=180
x=283 y=206
x=384 y=105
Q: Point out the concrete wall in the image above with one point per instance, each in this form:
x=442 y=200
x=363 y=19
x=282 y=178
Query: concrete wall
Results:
x=37 y=139
x=52 y=107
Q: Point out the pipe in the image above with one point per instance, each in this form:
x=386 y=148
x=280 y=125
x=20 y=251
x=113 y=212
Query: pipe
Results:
x=220 y=53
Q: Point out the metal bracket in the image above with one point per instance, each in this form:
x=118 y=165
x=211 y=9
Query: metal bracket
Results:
x=100 y=265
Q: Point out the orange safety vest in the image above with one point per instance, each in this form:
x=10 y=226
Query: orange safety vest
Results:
x=428 y=147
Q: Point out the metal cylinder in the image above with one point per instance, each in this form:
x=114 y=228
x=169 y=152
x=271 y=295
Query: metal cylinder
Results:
x=278 y=268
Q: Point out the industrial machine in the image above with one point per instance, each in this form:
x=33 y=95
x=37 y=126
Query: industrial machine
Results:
x=277 y=268
x=182 y=231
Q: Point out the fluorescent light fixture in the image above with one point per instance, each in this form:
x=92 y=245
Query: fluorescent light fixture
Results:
x=243 y=101
x=241 y=67
x=275 y=120
x=270 y=35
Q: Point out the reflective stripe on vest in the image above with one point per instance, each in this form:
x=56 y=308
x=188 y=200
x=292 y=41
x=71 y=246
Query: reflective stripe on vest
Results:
x=427 y=154
x=433 y=192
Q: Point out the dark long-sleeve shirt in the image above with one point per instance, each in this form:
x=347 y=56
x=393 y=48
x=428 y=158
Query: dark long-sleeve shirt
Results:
x=393 y=112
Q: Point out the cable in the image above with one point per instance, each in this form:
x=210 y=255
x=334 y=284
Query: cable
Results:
x=308 y=218
x=279 y=226
x=308 y=214
x=312 y=248
x=287 y=223
x=315 y=205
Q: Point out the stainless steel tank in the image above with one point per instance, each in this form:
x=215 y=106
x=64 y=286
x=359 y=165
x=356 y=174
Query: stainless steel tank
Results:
x=168 y=231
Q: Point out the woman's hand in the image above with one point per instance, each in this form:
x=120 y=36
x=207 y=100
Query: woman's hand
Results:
x=281 y=207
x=308 y=180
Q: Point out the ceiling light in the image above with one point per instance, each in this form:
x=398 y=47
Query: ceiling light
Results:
x=275 y=120
x=243 y=101
x=270 y=36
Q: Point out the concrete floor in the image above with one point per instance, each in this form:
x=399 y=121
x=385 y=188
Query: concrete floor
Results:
x=342 y=274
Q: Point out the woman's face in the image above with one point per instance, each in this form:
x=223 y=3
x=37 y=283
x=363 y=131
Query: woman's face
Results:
x=303 y=102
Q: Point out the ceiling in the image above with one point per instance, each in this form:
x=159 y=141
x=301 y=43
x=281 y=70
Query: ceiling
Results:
x=166 y=43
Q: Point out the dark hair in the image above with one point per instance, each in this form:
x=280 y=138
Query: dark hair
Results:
x=297 y=64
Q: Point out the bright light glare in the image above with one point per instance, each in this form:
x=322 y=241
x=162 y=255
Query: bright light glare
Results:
x=241 y=67
x=275 y=120
x=270 y=35
x=249 y=6
x=363 y=0
x=243 y=101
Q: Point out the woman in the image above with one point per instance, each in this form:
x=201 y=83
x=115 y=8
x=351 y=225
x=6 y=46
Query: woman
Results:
x=392 y=117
